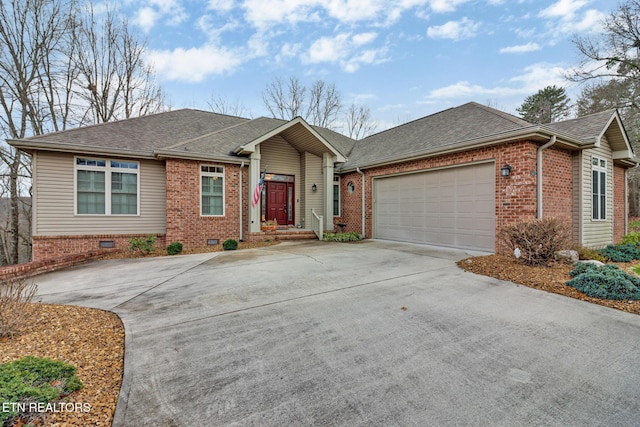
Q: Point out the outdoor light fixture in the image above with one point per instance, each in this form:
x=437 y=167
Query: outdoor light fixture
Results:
x=314 y=187
x=506 y=170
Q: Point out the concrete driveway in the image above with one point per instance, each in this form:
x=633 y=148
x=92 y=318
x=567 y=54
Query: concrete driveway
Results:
x=375 y=333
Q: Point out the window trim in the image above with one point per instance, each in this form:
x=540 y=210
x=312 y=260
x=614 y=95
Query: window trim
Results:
x=108 y=169
x=599 y=166
x=336 y=183
x=224 y=187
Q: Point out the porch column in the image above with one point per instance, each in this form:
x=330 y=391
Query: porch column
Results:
x=327 y=171
x=254 y=177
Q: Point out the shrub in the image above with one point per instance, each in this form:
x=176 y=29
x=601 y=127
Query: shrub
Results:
x=621 y=253
x=589 y=253
x=605 y=282
x=144 y=245
x=230 y=245
x=341 y=237
x=174 y=248
x=537 y=240
x=633 y=238
x=15 y=305
x=34 y=379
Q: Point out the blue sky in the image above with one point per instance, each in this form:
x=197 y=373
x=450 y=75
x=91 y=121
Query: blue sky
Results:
x=404 y=59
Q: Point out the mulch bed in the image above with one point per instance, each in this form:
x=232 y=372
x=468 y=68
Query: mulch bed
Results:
x=550 y=279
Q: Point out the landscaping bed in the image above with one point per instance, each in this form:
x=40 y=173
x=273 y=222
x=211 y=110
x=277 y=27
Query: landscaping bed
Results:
x=552 y=278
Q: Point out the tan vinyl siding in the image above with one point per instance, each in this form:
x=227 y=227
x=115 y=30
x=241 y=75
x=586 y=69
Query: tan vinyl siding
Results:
x=596 y=233
x=55 y=215
x=313 y=175
x=279 y=157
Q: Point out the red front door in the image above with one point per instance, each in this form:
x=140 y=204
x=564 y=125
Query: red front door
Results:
x=280 y=202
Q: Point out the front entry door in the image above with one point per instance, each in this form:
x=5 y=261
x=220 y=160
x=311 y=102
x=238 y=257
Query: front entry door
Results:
x=280 y=202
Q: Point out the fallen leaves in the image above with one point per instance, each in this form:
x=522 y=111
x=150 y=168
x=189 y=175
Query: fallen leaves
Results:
x=91 y=340
x=550 y=279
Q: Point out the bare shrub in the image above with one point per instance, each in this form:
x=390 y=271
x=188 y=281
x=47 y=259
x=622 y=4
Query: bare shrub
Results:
x=15 y=305
x=538 y=240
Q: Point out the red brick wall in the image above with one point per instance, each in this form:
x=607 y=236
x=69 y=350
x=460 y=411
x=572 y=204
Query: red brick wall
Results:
x=619 y=199
x=515 y=195
x=557 y=184
x=184 y=222
x=45 y=247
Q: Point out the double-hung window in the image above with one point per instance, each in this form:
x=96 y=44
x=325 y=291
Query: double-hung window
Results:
x=212 y=190
x=106 y=187
x=336 y=195
x=599 y=188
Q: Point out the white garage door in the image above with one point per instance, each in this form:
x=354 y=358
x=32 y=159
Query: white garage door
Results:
x=449 y=207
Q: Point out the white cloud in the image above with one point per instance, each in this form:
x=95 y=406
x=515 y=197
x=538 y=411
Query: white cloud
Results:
x=220 y=5
x=455 y=30
x=148 y=16
x=532 y=79
x=442 y=6
x=195 y=64
x=565 y=9
x=523 y=48
x=343 y=49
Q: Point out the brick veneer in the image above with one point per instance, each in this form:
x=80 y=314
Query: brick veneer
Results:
x=619 y=203
x=45 y=247
x=184 y=222
x=516 y=198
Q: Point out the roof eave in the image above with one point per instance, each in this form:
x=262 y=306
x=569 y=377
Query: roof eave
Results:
x=170 y=154
x=31 y=146
x=538 y=134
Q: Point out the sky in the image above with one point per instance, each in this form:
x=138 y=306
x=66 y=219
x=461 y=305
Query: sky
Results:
x=404 y=59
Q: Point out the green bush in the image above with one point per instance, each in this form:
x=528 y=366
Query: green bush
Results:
x=34 y=379
x=341 y=237
x=145 y=245
x=589 y=253
x=633 y=238
x=621 y=253
x=230 y=245
x=605 y=282
x=174 y=248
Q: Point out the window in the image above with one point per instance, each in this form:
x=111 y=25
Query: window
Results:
x=212 y=190
x=599 y=188
x=336 y=195
x=106 y=187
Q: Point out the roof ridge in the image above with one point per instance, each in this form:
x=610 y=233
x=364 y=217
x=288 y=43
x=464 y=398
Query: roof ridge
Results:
x=510 y=117
x=178 y=144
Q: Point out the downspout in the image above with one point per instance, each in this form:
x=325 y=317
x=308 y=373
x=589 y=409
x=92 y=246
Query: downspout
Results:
x=539 y=173
x=364 y=183
x=240 y=197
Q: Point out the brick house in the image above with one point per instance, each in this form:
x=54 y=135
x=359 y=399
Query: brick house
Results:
x=454 y=178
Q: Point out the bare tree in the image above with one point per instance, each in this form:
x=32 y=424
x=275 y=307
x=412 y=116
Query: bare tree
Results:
x=359 y=123
x=285 y=100
x=116 y=83
x=46 y=48
x=221 y=105
x=324 y=104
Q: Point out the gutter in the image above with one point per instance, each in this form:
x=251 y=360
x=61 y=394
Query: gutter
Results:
x=364 y=193
x=552 y=141
x=240 y=197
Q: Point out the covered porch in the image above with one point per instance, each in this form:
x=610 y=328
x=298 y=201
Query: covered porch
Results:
x=298 y=195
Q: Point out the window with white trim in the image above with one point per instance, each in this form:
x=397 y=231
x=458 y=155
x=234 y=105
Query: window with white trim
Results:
x=598 y=188
x=212 y=190
x=336 y=195
x=106 y=187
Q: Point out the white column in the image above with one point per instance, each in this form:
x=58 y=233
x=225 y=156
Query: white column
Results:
x=254 y=177
x=327 y=171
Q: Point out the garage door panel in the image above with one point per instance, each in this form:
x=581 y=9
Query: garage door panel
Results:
x=450 y=207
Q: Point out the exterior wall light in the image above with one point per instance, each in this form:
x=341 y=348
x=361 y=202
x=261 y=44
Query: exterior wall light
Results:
x=314 y=187
x=506 y=170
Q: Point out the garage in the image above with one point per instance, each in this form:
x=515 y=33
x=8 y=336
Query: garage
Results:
x=452 y=207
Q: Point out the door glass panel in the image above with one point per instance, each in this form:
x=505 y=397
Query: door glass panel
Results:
x=290 y=204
